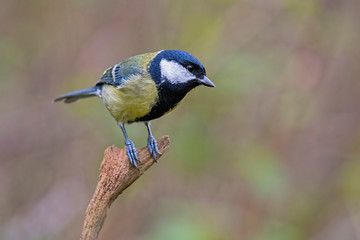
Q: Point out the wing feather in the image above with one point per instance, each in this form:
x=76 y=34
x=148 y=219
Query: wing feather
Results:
x=117 y=74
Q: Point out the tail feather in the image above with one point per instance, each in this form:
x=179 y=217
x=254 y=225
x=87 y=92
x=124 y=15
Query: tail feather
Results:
x=83 y=93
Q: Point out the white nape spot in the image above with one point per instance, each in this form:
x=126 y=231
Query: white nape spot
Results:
x=174 y=72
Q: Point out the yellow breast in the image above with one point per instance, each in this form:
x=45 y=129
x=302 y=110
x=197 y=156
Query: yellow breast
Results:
x=132 y=100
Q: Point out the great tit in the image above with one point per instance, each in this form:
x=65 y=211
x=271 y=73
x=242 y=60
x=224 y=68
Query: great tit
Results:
x=143 y=88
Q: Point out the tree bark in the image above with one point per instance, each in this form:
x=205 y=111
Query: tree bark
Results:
x=116 y=174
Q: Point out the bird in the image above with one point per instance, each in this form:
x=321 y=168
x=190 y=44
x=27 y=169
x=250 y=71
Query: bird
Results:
x=145 y=87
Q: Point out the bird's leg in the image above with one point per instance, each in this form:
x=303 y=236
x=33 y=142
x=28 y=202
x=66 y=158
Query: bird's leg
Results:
x=151 y=142
x=130 y=147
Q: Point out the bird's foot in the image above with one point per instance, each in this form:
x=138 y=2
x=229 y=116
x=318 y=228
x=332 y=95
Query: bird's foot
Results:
x=153 y=148
x=131 y=152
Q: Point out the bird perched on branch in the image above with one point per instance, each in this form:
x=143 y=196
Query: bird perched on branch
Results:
x=145 y=87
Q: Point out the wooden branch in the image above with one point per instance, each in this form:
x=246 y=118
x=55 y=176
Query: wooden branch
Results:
x=116 y=175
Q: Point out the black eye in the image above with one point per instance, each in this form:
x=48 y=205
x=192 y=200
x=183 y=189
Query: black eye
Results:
x=190 y=68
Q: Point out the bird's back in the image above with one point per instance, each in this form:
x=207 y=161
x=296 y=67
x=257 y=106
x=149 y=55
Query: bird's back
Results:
x=135 y=65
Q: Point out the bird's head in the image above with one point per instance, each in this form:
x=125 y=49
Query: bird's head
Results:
x=178 y=70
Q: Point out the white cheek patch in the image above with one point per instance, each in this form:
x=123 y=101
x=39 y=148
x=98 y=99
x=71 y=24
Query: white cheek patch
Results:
x=174 y=72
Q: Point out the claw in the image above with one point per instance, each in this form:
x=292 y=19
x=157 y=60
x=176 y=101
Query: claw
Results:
x=130 y=147
x=152 y=146
x=131 y=152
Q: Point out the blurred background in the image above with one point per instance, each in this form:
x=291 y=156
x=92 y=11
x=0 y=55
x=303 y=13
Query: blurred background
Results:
x=271 y=153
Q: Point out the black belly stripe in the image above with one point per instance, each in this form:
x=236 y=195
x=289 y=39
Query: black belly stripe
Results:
x=167 y=101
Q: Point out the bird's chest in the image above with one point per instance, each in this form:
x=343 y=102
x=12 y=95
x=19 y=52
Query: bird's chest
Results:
x=132 y=100
x=166 y=102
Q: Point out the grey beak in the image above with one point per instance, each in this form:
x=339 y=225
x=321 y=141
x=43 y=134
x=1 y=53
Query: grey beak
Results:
x=205 y=81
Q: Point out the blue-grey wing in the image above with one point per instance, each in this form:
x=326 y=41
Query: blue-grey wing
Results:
x=119 y=73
